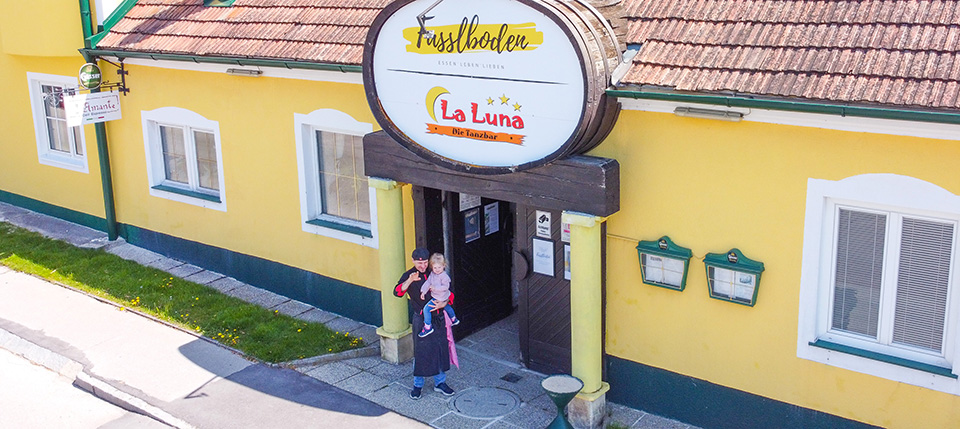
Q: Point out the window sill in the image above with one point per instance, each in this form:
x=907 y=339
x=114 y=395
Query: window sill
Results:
x=191 y=194
x=355 y=230
x=933 y=369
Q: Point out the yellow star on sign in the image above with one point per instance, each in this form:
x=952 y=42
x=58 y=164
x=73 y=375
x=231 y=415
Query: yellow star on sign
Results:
x=490 y=101
x=504 y=99
x=516 y=107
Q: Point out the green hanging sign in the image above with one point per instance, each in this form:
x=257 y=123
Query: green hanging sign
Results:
x=663 y=263
x=733 y=277
x=90 y=76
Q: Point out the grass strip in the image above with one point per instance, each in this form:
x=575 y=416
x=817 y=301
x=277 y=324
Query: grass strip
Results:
x=264 y=334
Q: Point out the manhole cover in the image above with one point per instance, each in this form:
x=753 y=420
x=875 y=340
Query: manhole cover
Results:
x=486 y=402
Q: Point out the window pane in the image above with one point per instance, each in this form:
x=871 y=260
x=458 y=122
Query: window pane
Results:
x=174 y=154
x=343 y=186
x=922 y=283
x=78 y=148
x=363 y=188
x=207 y=160
x=858 y=277
x=57 y=135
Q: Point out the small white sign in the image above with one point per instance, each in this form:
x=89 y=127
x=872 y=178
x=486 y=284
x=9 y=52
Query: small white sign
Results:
x=491 y=218
x=543 y=257
x=543 y=224
x=83 y=109
x=566 y=262
x=564 y=232
x=468 y=201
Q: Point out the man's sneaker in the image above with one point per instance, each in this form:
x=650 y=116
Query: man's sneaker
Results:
x=443 y=388
x=425 y=331
x=455 y=322
x=416 y=392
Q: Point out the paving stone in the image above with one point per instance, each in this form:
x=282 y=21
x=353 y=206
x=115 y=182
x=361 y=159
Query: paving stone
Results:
x=534 y=414
x=363 y=384
x=365 y=362
x=133 y=253
x=317 y=316
x=624 y=416
x=343 y=324
x=429 y=407
x=651 y=421
x=402 y=373
x=4 y=269
x=293 y=308
x=257 y=296
x=204 y=277
x=184 y=271
x=333 y=373
x=367 y=333
x=500 y=424
x=457 y=421
x=165 y=264
x=226 y=284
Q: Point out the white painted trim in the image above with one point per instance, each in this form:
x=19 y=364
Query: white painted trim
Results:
x=869 y=190
x=45 y=155
x=812 y=120
x=304 y=127
x=151 y=140
x=275 y=72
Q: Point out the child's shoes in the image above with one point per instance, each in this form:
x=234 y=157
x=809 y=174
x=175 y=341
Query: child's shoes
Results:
x=454 y=322
x=427 y=330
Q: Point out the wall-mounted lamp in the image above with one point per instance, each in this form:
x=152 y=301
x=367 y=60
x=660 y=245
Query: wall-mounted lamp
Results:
x=244 y=72
x=733 y=277
x=722 y=115
x=663 y=263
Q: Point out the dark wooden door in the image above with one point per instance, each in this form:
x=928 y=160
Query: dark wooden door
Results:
x=480 y=254
x=544 y=305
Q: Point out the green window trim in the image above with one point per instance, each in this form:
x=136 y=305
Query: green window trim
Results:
x=664 y=247
x=350 y=229
x=919 y=366
x=192 y=194
x=735 y=262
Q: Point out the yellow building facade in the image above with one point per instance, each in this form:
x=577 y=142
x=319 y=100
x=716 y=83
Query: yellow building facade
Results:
x=770 y=185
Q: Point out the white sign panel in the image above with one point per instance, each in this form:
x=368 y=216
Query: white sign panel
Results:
x=498 y=85
x=491 y=218
x=468 y=201
x=82 y=109
x=543 y=257
x=564 y=232
x=543 y=224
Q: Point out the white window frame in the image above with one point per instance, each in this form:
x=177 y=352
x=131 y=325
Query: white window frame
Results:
x=46 y=155
x=306 y=126
x=156 y=173
x=899 y=195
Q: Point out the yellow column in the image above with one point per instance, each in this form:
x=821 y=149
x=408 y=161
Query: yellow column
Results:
x=586 y=302
x=392 y=258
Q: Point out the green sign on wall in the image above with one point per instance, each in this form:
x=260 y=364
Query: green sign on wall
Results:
x=90 y=76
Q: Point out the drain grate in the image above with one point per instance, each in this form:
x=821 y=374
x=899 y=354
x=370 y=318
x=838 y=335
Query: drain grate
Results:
x=511 y=378
x=486 y=402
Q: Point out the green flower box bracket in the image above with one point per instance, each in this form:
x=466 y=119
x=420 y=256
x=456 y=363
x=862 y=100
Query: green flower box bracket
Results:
x=733 y=277
x=663 y=263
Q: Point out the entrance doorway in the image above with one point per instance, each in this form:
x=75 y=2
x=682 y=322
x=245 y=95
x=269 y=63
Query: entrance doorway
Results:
x=476 y=235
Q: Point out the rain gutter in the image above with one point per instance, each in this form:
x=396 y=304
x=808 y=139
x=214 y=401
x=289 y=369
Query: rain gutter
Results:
x=344 y=68
x=86 y=22
x=793 y=106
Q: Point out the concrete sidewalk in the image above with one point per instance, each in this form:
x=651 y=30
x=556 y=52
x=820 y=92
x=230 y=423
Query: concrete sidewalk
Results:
x=163 y=372
x=188 y=373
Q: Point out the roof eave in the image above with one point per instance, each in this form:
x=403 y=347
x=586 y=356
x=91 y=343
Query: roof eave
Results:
x=792 y=105
x=262 y=62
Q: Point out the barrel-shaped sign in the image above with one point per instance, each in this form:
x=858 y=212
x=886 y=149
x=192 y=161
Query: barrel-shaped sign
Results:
x=488 y=87
x=90 y=76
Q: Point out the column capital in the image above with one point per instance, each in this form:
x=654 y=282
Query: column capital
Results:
x=384 y=184
x=581 y=219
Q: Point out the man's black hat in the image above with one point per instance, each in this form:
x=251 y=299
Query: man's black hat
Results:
x=420 y=254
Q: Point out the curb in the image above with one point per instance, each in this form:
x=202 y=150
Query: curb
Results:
x=75 y=371
x=371 y=350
